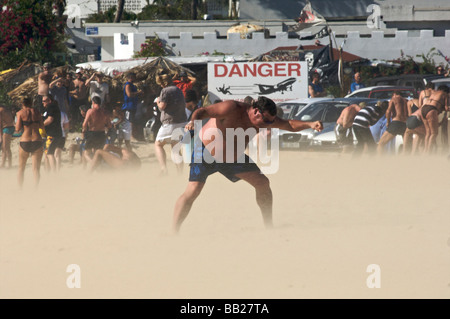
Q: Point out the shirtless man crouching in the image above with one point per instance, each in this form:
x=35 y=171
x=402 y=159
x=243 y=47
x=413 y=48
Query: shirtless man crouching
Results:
x=343 y=129
x=232 y=115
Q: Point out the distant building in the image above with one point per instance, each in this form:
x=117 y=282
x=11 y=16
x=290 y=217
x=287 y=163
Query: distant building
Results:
x=134 y=6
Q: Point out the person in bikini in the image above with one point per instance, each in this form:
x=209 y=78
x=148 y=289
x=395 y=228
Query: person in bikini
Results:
x=238 y=116
x=425 y=94
x=30 y=121
x=6 y=132
x=415 y=133
x=396 y=115
x=435 y=104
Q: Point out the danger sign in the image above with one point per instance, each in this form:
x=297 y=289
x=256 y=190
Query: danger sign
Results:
x=279 y=81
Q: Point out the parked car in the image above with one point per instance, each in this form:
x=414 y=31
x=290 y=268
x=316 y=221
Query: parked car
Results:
x=438 y=82
x=418 y=81
x=297 y=104
x=325 y=110
x=327 y=141
x=383 y=92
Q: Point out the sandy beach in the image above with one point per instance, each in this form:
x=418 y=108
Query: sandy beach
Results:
x=334 y=216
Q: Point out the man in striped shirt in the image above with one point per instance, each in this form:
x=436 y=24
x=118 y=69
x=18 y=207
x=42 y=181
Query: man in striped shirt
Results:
x=365 y=118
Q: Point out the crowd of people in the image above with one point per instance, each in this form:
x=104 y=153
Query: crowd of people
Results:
x=416 y=120
x=65 y=104
x=43 y=123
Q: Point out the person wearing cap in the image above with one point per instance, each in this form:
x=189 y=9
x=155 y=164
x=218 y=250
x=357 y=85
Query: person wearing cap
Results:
x=184 y=82
x=172 y=105
x=98 y=87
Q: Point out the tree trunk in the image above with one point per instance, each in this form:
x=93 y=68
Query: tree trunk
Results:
x=119 y=11
x=60 y=7
x=194 y=7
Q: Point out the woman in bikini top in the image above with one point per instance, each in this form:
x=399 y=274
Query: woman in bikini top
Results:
x=436 y=101
x=30 y=121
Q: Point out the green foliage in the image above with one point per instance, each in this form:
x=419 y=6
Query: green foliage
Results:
x=170 y=10
x=407 y=65
x=109 y=15
x=4 y=98
x=29 y=30
x=151 y=47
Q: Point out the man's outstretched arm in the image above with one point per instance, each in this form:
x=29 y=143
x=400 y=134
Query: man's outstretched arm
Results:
x=296 y=125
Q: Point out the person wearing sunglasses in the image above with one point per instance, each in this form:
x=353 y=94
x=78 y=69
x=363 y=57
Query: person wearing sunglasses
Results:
x=55 y=141
x=207 y=160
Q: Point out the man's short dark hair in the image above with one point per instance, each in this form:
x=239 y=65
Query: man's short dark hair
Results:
x=429 y=85
x=443 y=88
x=97 y=100
x=265 y=104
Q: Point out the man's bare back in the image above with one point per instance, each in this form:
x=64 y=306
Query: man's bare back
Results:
x=96 y=120
x=398 y=109
x=44 y=80
x=233 y=115
x=347 y=115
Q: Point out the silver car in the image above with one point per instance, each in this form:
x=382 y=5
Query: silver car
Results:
x=327 y=111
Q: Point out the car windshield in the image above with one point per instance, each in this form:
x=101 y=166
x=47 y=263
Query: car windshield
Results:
x=313 y=112
x=387 y=94
x=360 y=94
x=291 y=108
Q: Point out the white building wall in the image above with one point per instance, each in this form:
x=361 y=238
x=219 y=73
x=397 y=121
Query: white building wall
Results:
x=377 y=46
x=107 y=51
x=125 y=45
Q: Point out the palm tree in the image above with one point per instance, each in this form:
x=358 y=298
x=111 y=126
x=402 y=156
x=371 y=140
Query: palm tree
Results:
x=194 y=8
x=119 y=12
x=60 y=7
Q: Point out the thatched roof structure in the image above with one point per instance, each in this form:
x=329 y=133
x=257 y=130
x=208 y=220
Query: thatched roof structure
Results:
x=30 y=86
x=146 y=76
x=145 y=80
x=13 y=78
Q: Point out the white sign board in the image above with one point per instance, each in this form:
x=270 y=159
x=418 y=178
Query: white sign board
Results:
x=279 y=81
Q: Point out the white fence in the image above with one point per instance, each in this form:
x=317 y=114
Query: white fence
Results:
x=376 y=46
